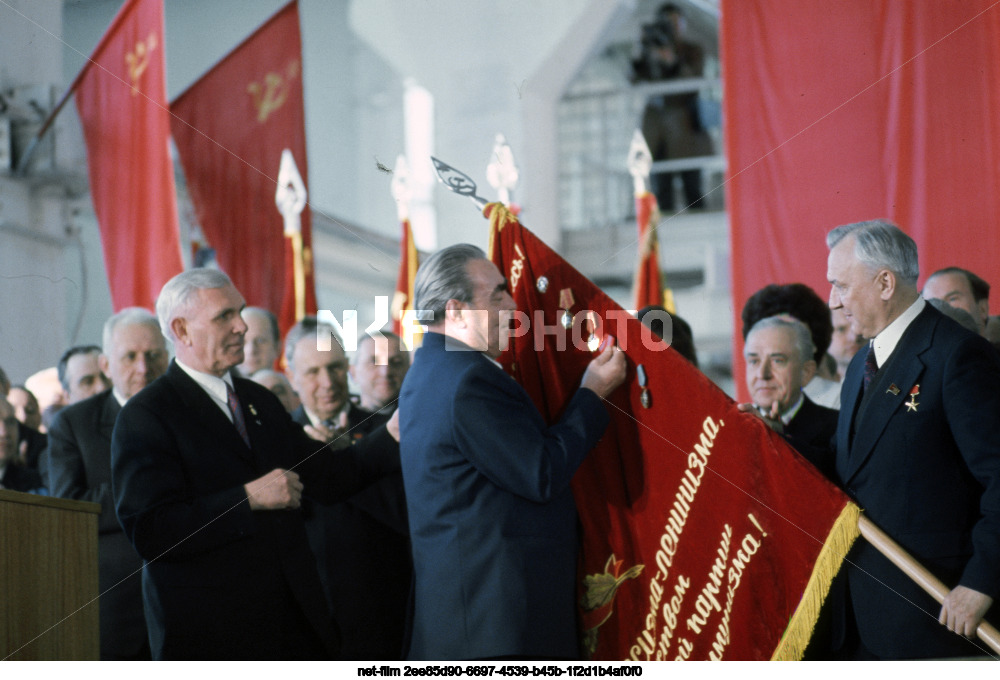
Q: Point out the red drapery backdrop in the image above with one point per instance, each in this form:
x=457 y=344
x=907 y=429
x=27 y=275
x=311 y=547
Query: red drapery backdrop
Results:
x=230 y=128
x=704 y=534
x=859 y=109
x=122 y=101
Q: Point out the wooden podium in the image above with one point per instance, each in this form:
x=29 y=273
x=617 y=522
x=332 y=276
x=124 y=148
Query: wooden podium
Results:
x=48 y=578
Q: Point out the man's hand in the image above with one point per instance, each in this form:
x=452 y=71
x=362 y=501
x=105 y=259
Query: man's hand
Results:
x=962 y=610
x=393 y=425
x=277 y=490
x=606 y=371
x=772 y=417
x=335 y=434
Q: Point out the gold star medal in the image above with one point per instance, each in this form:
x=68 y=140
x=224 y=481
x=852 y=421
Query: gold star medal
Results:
x=912 y=404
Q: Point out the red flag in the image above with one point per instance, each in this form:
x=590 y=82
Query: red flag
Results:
x=649 y=288
x=122 y=101
x=402 y=299
x=231 y=128
x=704 y=534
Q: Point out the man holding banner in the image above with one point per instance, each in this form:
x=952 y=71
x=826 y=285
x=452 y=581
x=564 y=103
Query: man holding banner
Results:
x=492 y=516
x=917 y=442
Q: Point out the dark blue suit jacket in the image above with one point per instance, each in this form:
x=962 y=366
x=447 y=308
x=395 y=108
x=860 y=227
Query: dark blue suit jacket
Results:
x=222 y=581
x=492 y=518
x=929 y=476
x=362 y=550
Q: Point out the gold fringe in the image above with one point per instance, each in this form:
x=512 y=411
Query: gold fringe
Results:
x=499 y=216
x=800 y=626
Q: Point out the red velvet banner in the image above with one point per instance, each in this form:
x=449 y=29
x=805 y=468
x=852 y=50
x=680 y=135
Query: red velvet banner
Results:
x=230 y=129
x=704 y=534
x=844 y=111
x=649 y=289
x=122 y=101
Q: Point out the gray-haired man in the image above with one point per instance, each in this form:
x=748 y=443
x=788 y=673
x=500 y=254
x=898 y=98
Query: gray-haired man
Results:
x=209 y=472
x=916 y=444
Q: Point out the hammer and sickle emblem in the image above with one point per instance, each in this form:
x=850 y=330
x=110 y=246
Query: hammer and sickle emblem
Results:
x=138 y=59
x=269 y=96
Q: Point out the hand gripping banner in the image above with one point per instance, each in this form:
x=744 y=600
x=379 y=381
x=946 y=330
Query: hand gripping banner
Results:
x=704 y=535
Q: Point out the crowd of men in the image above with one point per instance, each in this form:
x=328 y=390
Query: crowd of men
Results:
x=253 y=508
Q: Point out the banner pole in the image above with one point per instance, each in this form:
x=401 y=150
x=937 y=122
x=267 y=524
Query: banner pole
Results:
x=919 y=574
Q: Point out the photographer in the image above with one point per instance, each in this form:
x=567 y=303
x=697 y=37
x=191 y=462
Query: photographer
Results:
x=670 y=122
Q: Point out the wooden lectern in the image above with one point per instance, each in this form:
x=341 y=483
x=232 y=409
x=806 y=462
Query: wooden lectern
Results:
x=48 y=578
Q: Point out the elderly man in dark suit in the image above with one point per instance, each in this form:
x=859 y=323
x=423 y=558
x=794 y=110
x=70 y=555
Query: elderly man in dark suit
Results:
x=917 y=446
x=492 y=515
x=362 y=544
x=778 y=353
x=208 y=473
x=134 y=355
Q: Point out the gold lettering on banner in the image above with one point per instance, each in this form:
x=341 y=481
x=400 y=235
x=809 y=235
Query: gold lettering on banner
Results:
x=137 y=60
x=516 y=268
x=707 y=614
x=652 y=644
x=271 y=94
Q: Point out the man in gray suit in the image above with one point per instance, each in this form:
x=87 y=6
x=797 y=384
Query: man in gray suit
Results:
x=134 y=355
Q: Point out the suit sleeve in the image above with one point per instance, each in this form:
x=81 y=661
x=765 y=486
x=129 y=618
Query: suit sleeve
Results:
x=972 y=405
x=67 y=474
x=163 y=509
x=333 y=475
x=501 y=432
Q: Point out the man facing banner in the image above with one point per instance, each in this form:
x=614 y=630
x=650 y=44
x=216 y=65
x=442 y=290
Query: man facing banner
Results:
x=917 y=444
x=704 y=535
x=492 y=517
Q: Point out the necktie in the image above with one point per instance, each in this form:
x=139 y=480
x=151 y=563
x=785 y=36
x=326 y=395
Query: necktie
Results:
x=234 y=408
x=871 y=366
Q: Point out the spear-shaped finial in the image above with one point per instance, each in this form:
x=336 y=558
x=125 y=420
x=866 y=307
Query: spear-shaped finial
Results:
x=458 y=182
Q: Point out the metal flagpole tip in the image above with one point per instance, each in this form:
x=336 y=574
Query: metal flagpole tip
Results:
x=457 y=181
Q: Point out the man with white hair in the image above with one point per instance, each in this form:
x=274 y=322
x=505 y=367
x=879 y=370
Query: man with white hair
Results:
x=779 y=361
x=134 y=354
x=916 y=447
x=208 y=473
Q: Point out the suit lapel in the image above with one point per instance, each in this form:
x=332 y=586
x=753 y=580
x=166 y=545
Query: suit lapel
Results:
x=850 y=393
x=204 y=411
x=904 y=369
x=109 y=413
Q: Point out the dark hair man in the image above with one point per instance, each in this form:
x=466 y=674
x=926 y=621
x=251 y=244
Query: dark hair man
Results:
x=492 y=517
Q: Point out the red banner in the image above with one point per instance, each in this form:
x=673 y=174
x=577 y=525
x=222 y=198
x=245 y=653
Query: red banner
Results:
x=402 y=299
x=844 y=111
x=122 y=101
x=704 y=535
x=649 y=281
x=230 y=129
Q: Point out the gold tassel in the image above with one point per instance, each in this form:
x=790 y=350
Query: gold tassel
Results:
x=800 y=627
